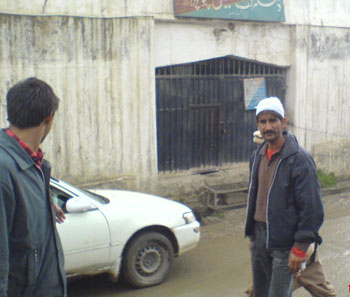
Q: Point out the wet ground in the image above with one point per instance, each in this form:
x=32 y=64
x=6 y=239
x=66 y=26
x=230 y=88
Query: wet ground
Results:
x=220 y=265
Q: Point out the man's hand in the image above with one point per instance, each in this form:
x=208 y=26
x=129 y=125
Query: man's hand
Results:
x=60 y=216
x=295 y=262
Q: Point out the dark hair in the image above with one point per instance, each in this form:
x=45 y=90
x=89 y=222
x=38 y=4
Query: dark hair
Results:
x=29 y=102
x=275 y=114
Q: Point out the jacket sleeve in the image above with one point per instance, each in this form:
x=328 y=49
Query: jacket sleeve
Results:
x=6 y=215
x=307 y=194
x=251 y=160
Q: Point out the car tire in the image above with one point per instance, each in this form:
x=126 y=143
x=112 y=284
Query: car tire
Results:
x=148 y=260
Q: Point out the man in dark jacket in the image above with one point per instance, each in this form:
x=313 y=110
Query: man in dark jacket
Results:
x=285 y=210
x=31 y=255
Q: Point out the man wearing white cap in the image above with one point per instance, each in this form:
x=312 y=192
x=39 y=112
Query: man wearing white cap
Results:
x=284 y=210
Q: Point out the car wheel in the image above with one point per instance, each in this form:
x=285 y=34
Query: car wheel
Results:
x=148 y=260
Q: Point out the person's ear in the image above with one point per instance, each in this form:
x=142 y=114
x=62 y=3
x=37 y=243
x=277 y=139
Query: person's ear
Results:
x=284 y=122
x=49 y=118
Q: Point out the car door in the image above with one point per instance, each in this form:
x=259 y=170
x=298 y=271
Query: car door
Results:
x=85 y=236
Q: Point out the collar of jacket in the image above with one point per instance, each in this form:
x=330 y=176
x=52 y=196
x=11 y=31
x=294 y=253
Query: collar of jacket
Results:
x=290 y=147
x=13 y=148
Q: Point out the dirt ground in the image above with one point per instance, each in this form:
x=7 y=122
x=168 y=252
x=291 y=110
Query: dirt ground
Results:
x=220 y=265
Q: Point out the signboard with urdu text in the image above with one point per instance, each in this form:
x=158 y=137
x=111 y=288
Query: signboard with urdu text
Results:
x=251 y=10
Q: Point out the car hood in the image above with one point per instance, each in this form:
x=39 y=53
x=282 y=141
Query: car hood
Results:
x=129 y=199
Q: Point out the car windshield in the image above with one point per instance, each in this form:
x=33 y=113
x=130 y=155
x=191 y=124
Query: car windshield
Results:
x=95 y=196
x=69 y=187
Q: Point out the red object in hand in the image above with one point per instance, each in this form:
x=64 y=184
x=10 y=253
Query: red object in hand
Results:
x=298 y=253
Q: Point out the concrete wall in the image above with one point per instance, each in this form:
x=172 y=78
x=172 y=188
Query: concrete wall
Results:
x=180 y=43
x=334 y=156
x=328 y=13
x=319 y=95
x=314 y=41
x=90 y=8
x=301 y=12
x=105 y=127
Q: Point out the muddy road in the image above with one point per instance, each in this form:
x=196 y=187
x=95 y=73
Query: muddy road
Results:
x=220 y=265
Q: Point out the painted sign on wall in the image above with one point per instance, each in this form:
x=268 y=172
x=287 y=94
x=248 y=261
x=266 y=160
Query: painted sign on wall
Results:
x=252 y=10
x=254 y=91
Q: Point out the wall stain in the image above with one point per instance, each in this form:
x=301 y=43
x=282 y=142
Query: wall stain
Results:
x=330 y=46
x=44 y=7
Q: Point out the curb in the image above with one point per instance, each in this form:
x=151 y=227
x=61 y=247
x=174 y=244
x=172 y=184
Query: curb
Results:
x=341 y=187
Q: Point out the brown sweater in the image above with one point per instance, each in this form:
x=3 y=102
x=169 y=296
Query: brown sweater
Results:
x=265 y=175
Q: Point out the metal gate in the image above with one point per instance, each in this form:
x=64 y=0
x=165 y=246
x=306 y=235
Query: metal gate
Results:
x=201 y=117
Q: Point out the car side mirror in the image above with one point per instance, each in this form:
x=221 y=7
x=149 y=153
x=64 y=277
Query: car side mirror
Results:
x=78 y=204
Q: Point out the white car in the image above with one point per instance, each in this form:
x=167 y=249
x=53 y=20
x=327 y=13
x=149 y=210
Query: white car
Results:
x=122 y=232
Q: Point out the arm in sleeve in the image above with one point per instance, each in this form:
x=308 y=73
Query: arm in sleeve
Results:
x=308 y=199
x=6 y=215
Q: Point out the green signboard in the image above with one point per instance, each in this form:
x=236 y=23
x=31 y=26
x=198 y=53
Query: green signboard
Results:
x=248 y=10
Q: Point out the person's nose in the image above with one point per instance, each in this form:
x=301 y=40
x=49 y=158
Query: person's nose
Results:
x=268 y=126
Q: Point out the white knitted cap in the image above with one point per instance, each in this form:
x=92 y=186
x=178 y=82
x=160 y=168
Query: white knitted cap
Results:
x=270 y=104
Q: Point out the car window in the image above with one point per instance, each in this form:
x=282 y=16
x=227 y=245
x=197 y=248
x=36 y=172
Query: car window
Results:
x=96 y=197
x=60 y=198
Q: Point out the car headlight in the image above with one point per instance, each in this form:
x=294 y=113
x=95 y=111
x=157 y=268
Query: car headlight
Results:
x=189 y=217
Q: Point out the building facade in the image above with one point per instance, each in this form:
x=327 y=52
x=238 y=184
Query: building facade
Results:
x=101 y=58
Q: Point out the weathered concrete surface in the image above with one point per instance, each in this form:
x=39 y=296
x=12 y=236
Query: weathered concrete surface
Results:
x=105 y=127
x=103 y=69
x=334 y=156
x=190 y=188
x=317 y=99
x=314 y=12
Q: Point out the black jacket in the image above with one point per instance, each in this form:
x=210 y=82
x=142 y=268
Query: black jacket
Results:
x=31 y=255
x=294 y=208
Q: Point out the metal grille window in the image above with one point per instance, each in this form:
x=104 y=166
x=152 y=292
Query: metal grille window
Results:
x=228 y=65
